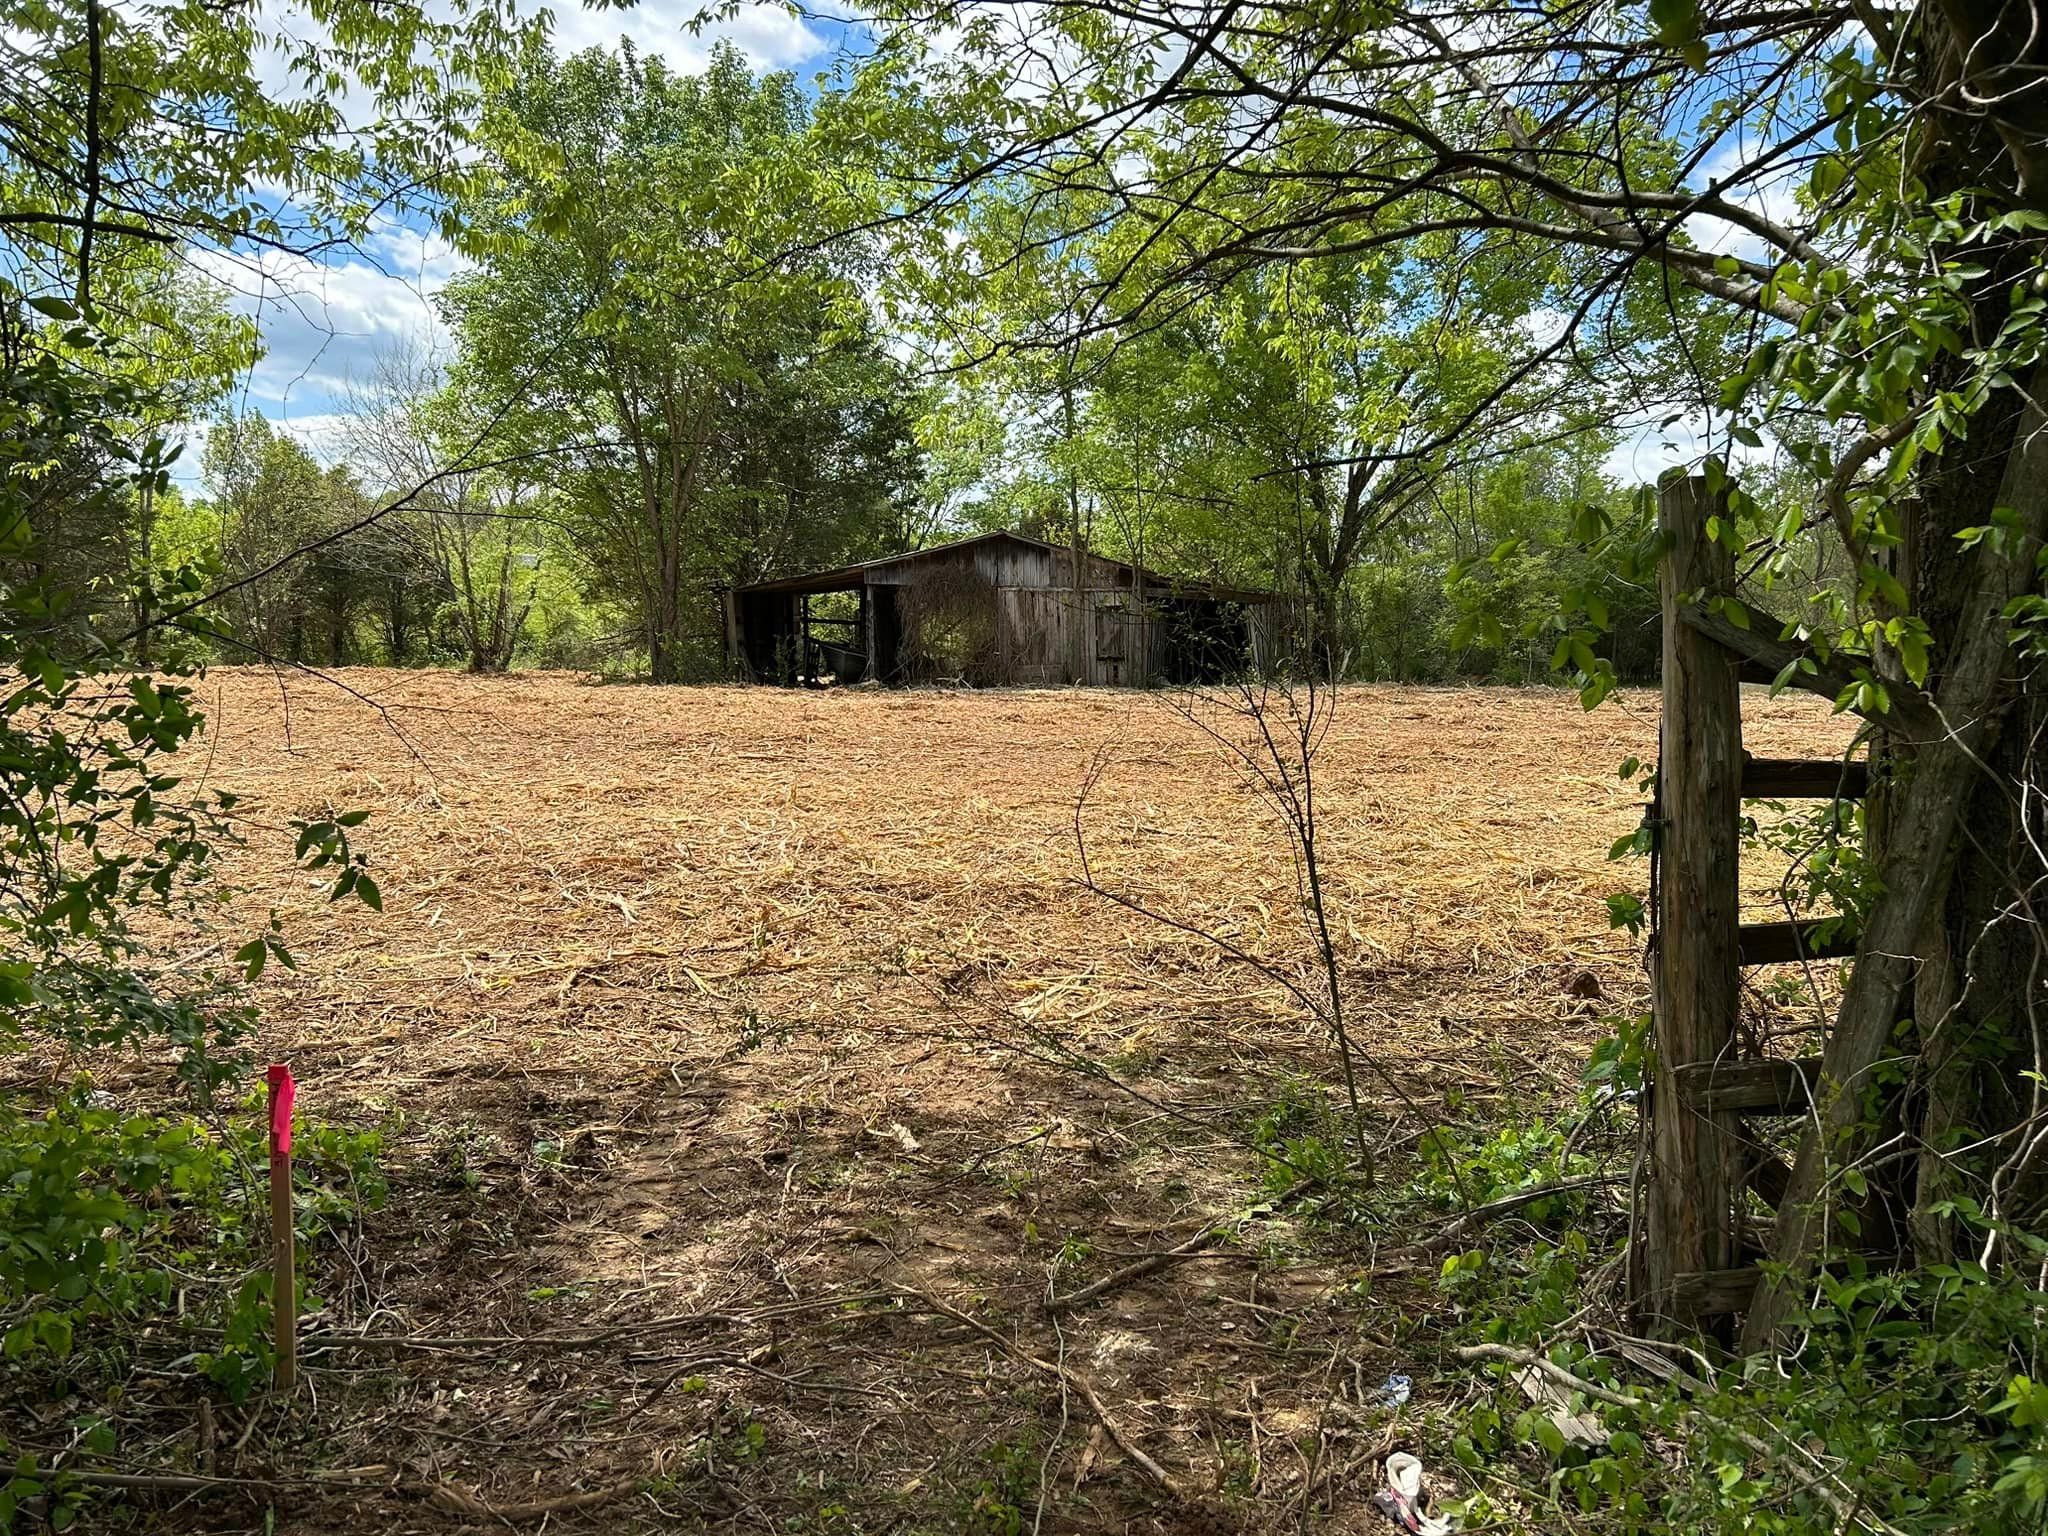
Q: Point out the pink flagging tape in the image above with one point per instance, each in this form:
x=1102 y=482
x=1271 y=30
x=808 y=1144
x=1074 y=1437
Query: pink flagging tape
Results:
x=282 y=1091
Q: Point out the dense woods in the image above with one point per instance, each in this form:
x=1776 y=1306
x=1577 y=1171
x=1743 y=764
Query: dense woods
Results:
x=1396 y=312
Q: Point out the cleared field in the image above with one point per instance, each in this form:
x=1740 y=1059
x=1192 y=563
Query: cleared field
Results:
x=724 y=1006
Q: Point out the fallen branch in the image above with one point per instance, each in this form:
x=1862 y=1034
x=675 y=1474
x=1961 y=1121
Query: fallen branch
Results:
x=444 y=1495
x=1153 y=1263
x=1118 y=1279
x=165 y=1482
x=195 y=1482
x=434 y=1344
x=1544 y=1365
x=1075 y=1382
x=458 y=1500
x=1480 y=1215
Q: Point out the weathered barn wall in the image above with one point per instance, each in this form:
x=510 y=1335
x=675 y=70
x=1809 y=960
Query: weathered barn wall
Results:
x=1003 y=610
x=1117 y=640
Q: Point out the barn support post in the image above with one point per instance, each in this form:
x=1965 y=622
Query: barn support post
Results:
x=1690 y=1235
x=735 y=654
x=1138 y=625
x=872 y=672
x=1081 y=628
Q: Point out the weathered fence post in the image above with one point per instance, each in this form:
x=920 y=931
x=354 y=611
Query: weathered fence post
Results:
x=1690 y=1231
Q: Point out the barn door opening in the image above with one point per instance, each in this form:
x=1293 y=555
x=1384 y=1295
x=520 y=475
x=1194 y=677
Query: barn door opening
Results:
x=1208 y=640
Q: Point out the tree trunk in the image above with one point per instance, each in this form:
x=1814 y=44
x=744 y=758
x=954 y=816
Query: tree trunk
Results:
x=1079 y=626
x=661 y=656
x=146 y=576
x=1949 y=885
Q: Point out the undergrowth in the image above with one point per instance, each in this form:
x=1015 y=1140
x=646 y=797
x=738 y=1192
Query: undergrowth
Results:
x=1913 y=1399
x=123 y=1233
x=117 y=1226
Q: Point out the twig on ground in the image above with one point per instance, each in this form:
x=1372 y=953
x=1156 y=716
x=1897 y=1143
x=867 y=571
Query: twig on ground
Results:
x=458 y=1500
x=1480 y=1215
x=1071 y=1379
x=193 y=1482
x=1153 y=1263
x=431 y=1344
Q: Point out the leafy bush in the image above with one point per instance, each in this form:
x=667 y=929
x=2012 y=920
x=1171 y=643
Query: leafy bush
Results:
x=1511 y=1160
x=1915 y=1398
x=1909 y=1406
x=1301 y=1136
x=108 y=1216
x=102 y=1212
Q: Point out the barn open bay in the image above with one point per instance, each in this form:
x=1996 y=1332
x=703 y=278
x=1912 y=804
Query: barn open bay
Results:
x=705 y=1026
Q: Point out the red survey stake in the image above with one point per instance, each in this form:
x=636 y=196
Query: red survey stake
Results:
x=284 y=1291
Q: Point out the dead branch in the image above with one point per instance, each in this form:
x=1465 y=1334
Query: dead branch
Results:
x=457 y=1500
x=1153 y=1263
x=1480 y=1215
x=1074 y=1382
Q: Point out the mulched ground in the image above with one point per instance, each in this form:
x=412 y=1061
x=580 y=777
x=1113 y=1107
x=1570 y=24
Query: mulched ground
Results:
x=754 y=1066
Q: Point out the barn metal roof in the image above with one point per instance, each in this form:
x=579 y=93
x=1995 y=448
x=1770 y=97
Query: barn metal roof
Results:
x=847 y=578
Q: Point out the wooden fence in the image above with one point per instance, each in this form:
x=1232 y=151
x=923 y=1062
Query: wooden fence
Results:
x=1695 y=1266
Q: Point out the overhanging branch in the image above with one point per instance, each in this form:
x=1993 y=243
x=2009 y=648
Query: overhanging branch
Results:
x=1910 y=714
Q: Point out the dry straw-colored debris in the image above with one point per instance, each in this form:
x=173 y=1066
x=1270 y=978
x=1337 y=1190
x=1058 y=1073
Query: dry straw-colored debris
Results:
x=711 y=1003
x=574 y=873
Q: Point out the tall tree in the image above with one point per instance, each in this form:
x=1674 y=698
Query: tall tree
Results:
x=130 y=138
x=270 y=501
x=711 y=412
x=1318 y=397
x=475 y=528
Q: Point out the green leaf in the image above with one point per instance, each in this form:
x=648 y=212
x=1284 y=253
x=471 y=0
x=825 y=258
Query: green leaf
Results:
x=1913 y=655
x=251 y=957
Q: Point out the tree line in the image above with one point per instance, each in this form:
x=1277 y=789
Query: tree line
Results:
x=655 y=381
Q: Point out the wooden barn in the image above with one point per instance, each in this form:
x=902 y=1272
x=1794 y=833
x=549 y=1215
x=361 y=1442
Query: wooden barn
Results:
x=998 y=609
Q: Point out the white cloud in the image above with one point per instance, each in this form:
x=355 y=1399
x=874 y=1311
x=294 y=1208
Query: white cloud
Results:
x=770 y=36
x=1545 y=325
x=1649 y=446
x=324 y=320
x=323 y=435
x=1772 y=192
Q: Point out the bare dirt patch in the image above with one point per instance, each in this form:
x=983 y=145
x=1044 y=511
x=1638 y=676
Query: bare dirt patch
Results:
x=706 y=1025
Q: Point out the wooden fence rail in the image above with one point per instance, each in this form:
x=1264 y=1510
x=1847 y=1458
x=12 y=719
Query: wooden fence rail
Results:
x=1693 y=1270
